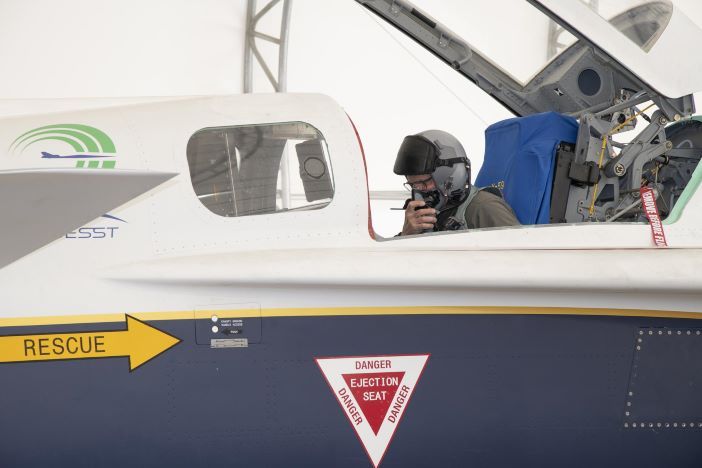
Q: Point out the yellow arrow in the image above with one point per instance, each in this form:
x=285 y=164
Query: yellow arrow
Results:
x=139 y=342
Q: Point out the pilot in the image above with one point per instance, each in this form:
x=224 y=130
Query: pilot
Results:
x=438 y=175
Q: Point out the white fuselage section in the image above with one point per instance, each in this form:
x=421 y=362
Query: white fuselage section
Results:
x=168 y=252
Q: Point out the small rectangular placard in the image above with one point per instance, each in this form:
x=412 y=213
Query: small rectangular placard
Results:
x=229 y=343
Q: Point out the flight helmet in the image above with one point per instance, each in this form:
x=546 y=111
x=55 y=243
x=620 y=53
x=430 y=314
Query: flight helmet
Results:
x=439 y=154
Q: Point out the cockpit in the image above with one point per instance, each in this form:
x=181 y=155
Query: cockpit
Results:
x=597 y=117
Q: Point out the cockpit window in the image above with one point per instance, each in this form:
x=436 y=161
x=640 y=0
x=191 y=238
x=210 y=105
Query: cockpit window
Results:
x=642 y=21
x=260 y=169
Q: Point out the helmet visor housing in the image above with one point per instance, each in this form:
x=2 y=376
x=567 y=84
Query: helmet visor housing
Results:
x=417 y=156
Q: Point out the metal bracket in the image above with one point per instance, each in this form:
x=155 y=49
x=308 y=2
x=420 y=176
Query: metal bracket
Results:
x=443 y=40
x=395 y=9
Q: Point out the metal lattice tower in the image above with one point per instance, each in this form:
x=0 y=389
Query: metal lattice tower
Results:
x=251 y=51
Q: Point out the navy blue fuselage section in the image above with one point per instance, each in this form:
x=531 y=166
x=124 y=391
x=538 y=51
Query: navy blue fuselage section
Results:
x=498 y=390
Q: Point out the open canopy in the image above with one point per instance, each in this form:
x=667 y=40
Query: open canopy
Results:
x=562 y=55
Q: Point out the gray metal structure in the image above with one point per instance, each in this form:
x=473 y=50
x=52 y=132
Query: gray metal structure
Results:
x=251 y=51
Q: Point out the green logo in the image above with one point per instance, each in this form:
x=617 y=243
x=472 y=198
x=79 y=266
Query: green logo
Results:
x=89 y=144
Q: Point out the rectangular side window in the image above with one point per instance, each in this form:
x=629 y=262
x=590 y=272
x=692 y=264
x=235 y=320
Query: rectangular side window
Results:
x=260 y=169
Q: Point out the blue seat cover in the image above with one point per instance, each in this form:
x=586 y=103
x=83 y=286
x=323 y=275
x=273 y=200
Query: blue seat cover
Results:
x=520 y=156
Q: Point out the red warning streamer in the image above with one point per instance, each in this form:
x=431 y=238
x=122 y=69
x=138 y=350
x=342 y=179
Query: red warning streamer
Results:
x=648 y=201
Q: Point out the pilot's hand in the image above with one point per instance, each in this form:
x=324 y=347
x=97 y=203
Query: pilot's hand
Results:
x=418 y=219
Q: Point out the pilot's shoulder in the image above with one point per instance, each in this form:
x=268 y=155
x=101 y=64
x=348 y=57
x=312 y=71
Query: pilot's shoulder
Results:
x=486 y=196
x=491 y=210
x=492 y=190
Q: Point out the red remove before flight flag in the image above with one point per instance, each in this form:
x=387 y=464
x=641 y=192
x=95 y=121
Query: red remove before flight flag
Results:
x=648 y=202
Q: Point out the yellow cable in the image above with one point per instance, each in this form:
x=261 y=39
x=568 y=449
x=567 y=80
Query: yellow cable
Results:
x=602 y=150
x=599 y=166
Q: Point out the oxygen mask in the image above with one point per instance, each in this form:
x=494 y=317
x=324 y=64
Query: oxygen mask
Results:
x=432 y=198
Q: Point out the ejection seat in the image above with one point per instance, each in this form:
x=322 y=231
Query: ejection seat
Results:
x=521 y=157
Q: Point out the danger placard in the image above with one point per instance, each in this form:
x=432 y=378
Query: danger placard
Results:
x=373 y=392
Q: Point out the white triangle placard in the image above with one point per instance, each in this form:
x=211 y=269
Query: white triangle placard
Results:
x=373 y=392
